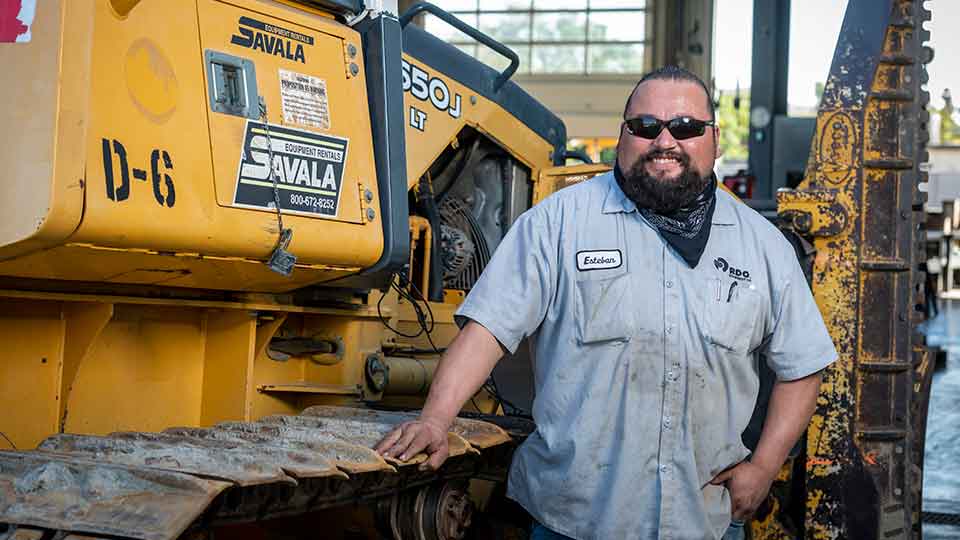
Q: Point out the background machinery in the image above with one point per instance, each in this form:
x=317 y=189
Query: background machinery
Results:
x=224 y=214
x=233 y=234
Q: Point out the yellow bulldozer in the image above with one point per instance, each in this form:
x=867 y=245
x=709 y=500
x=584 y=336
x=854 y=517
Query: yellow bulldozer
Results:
x=233 y=234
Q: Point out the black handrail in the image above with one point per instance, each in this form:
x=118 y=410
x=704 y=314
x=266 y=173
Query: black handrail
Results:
x=448 y=18
x=571 y=153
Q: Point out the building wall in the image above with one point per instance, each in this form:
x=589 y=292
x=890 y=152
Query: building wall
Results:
x=944 y=175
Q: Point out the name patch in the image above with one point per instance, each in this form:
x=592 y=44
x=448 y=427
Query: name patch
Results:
x=599 y=259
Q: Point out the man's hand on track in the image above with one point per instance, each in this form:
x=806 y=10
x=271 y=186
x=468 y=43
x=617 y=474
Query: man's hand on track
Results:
x=411 y=438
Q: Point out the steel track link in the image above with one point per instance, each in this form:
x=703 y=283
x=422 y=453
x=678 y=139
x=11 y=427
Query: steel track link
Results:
x=157 y=486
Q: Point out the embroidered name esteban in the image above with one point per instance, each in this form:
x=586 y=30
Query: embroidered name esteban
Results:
x=256 y=35
x=601 y=259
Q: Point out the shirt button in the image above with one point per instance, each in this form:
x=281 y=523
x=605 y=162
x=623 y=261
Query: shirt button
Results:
x=669 y=329
x=666 y=422
x=664 y=468
x=669 y=284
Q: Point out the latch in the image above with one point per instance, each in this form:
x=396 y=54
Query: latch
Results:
x=813 y=212
x=232 y=85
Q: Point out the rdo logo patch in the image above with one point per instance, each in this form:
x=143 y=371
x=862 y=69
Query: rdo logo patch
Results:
x=723 y=266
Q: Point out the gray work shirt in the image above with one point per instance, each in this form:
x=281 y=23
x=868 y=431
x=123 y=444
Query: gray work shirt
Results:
x=645 y=370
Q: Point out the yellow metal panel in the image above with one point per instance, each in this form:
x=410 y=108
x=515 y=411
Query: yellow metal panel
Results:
x=143 y=373
x=131 y=102
x=300 y=382
x=44 y=94
x=250 y=302
x=465 y=108
x=360 y=338
x=83 y=322
x=266 y=371
x=32 y=336
x=92 y=263
x=228 y=366
x=324 y=59
x=556 y=178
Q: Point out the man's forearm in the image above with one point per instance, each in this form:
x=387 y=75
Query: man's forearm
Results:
x=463 y=369
x=791 y=405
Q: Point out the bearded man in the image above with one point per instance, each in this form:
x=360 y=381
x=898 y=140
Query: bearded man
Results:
x=649 y=297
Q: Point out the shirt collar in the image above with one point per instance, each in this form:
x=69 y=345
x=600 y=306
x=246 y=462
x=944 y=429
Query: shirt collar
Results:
x=725 y=213
x=617 y=202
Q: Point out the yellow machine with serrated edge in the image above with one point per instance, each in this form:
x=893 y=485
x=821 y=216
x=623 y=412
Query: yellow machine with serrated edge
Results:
x=232 y=237
x=233 y=234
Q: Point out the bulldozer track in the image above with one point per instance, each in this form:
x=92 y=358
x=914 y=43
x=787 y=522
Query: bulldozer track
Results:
x=157 y=486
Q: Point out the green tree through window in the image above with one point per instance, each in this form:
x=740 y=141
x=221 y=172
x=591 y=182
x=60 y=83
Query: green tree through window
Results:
x=734 y=127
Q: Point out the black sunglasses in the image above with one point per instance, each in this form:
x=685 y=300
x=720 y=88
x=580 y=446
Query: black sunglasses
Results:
x=681 y=127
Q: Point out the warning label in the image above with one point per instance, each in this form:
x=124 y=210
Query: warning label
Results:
x=308 y=168
x=304 y=100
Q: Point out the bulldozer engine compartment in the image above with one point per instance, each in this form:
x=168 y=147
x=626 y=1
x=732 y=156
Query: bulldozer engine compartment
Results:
x=234 y=234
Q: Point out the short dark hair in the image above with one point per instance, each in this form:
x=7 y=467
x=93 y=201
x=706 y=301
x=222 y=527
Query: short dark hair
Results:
x=674 y=73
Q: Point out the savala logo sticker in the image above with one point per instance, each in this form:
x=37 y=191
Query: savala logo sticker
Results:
x=308 y=168
x=599 y=259
x=271 y=39
x=723 y=266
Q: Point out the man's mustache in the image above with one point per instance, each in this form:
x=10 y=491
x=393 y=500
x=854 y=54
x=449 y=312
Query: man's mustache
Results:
x=661 y=154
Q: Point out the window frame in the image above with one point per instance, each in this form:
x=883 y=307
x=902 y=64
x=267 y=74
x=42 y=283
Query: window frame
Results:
x=529 y=44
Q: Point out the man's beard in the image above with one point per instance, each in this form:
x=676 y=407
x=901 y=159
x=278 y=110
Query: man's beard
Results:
x=662 y=195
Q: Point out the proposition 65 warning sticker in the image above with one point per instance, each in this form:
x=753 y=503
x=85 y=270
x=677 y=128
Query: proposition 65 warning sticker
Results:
x=308 y=168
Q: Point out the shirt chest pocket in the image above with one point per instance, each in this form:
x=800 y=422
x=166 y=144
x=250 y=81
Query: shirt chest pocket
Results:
x=734 y=314
x=603 y=307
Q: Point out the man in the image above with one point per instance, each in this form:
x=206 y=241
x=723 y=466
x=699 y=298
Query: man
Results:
x=648 y=295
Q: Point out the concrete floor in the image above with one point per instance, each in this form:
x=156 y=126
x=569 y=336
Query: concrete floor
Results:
x=941 y=481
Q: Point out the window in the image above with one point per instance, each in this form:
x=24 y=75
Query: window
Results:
x=554 y=36
x=816 y=24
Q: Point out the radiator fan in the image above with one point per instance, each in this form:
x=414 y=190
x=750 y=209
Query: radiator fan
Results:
x=464 y=249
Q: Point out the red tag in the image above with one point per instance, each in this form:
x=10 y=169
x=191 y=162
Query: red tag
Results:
x=16 y=16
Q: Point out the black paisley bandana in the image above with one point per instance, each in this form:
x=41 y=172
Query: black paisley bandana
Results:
x=685 y=229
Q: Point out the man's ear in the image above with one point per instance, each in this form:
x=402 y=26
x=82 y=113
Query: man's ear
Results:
x=716 y=143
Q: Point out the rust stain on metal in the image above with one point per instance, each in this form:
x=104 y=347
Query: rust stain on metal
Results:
x=860 y=456
x=838 y=144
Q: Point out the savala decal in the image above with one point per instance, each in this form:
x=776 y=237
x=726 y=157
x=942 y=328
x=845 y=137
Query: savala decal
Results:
x=603 y=259
x=308 y=168
x=723 y=266
x=425 y=87
x=16 y=17
x=271 y=39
